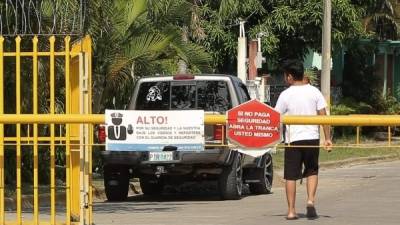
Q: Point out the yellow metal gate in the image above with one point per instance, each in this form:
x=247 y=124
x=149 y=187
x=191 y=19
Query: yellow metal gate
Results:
x=43 y=82
x=45 y=108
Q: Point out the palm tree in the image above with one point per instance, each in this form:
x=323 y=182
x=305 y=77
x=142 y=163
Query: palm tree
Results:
x=146 y=36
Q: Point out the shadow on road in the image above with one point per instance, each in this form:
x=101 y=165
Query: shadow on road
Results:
x=170 y=200
x=303 y=216
x=162 y=203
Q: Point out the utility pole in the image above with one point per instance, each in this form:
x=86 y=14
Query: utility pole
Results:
x=242 y=53
x=326 y=53
x=326 y=59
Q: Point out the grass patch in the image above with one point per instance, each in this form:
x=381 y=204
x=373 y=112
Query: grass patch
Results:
x=369 y=149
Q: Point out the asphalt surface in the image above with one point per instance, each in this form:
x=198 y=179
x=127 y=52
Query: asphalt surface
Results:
x=364 y=194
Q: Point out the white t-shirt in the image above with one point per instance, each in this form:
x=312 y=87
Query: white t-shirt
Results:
x=300 y=100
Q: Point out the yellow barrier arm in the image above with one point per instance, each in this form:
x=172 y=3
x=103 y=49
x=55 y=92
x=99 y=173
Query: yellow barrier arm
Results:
x=359 y=120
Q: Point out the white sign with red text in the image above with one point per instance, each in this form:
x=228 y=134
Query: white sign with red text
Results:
x=137 y=130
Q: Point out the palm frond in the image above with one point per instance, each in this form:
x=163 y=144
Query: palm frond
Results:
x=194 y=55
x=147 y=45
x=126 y=12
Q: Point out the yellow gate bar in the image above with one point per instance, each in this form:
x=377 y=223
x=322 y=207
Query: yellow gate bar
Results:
x=56 y=118
x=351 y=120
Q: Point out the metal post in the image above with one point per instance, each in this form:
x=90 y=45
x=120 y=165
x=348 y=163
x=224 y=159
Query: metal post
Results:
x=385 y=73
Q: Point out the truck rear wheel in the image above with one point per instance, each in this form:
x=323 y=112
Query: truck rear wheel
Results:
x=231 y=180
x=116 y=182
x=265 y=175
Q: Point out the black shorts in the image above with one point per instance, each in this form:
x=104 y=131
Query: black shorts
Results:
x=295 y=157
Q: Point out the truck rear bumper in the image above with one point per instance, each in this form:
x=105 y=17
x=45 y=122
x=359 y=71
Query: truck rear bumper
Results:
x=138 y=159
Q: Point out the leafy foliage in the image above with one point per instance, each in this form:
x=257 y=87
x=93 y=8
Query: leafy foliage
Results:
x=290 y=28
x=380 y=19
x=358 y=73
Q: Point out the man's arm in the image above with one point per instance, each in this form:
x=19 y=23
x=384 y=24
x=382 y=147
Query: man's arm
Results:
x=327 y=131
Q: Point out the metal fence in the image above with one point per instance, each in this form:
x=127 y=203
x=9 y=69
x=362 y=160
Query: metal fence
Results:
x=33 y=76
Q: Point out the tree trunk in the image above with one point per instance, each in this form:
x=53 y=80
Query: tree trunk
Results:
x=182 y=65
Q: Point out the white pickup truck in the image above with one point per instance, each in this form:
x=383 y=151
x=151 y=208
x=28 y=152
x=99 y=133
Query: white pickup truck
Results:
x=215 y=94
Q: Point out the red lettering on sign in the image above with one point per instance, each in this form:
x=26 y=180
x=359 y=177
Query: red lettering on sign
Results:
x=152 y=120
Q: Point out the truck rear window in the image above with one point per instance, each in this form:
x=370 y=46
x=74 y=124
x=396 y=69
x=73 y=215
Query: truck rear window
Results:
x=183 y=95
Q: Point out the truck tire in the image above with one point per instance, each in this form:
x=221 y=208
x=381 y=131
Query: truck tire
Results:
x=265 y=175
x=116 y=182
x=231 y=180
x=150 y=185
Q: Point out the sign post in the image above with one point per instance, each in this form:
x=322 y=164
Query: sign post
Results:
x=254 y=125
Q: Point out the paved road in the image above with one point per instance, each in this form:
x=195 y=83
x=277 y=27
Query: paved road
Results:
x=365 y=194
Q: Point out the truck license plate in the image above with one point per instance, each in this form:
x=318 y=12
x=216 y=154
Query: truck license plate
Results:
x=161 y=156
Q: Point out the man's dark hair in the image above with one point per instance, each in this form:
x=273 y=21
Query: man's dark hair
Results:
x=294 y=67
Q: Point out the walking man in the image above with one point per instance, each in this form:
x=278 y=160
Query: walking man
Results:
x=302 y=141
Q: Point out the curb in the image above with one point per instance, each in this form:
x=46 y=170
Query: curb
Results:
x=359 y=160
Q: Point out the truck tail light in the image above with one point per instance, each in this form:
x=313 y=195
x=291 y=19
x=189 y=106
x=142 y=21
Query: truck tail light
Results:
x=101 y=133
x=219 y=132
x=183 y=77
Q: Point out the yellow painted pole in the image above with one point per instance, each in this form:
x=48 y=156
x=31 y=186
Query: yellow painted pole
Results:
x=90 y=173
x=2 y=219
x=35 y=134
x=67 y=128
x=88 y=51
x=18 y=111
x=74 y=129
x=358 y=135
x=52 y=134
